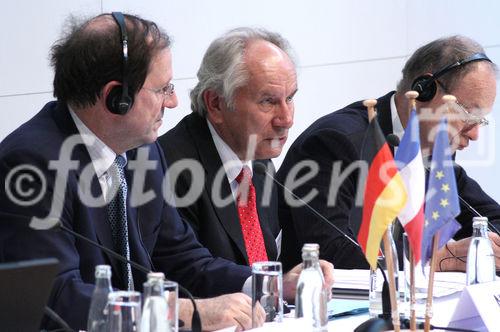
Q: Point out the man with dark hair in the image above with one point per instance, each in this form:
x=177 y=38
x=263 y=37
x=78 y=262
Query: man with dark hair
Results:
x=455 y=65
x=89 y=161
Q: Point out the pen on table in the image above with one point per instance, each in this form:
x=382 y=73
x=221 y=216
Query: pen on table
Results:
x=352 y=312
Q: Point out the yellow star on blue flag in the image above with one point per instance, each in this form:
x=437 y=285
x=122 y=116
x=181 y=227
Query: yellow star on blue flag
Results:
x=442 y=204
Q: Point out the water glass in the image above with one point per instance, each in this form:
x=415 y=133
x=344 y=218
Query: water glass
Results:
x=375 y=290
x=421 y=282
x=267 y=291
x=171 y=293
x=124 y=311
x=376 y=285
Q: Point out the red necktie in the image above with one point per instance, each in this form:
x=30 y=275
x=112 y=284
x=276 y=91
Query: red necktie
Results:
x=249 y=220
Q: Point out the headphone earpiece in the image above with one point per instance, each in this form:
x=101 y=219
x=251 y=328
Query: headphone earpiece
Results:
x=426 y=87
x=117 y=103
x=119 y=100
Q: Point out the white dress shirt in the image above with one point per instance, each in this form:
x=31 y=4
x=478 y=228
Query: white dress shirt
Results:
x=233 y=166
x=397 y=126
x=230 y=161
x=101 y=155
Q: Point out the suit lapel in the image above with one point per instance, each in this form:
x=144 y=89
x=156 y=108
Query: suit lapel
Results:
x=138 y=251
x=97 y=215
x=263 y=210
x=209 y=158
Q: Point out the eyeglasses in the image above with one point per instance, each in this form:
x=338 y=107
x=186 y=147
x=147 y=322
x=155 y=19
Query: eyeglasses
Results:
x=166 y=91
x=470 y=120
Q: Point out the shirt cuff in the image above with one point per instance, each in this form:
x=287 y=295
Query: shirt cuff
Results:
x=247 y=287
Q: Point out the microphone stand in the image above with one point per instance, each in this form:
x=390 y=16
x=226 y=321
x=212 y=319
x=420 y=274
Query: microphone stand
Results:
x=195 y=320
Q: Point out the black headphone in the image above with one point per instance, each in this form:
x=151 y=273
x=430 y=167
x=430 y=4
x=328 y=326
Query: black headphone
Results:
x=426 y=85
x=118 y=100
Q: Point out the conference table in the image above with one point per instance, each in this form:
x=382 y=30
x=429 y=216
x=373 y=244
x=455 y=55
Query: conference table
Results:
x=349 y=323
x=443 y=306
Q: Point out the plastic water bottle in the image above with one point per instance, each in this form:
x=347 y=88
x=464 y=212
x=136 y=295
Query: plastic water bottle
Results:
x=480 y=257
x=312 y=296
x=155 y=311
x=97 y=320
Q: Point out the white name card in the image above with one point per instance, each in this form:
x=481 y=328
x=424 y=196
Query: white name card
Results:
x=480 y=305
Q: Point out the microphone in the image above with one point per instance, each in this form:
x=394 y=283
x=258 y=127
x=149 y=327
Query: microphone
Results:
x=195 y=320
x=56 y=318
x=260 y=167
x=384 y=321
x=393 y=140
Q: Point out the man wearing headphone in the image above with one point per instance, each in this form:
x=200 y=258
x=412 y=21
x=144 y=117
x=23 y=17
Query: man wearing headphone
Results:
x=89 y=161
x=456 y=65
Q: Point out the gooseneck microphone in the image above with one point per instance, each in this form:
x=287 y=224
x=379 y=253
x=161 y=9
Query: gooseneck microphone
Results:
x=56 y=318
x=261 y=168
x=195 y=320
x=384 y=319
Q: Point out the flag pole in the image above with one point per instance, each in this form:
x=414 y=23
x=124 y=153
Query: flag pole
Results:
x=413 y=316
x=389 y=261
x=430 y=287
x=449 y=100
x=370 y=105
x=412 y=96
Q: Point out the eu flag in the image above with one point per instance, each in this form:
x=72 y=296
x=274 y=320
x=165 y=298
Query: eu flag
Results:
x=442 y=204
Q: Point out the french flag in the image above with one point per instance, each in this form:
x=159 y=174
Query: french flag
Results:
x=411 y=167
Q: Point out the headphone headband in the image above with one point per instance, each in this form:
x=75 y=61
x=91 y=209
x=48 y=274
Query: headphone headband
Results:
x=426 y=85
x=119 y=101
x=472 y=58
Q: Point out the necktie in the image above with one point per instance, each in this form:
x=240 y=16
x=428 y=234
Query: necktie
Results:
x=249 y=220
x=117 y=215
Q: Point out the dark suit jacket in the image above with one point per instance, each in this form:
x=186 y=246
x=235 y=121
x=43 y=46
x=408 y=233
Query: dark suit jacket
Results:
x=217 y=228
x=337 y=138
x=159 y=239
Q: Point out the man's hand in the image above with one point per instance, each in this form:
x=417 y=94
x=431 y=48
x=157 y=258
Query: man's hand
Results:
x=453 y=256
x=222 y=311
x=291 y=277
x=495 y=243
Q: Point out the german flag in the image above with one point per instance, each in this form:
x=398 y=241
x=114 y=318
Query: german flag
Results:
x=384 y=194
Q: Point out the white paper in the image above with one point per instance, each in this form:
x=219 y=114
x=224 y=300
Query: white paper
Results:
x=479 y=301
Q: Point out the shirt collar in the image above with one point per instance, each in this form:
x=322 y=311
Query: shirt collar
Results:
x=231 y=162
x=397 y=126
x=102 y=156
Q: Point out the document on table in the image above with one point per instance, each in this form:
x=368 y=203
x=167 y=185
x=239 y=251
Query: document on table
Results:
x=355 y=283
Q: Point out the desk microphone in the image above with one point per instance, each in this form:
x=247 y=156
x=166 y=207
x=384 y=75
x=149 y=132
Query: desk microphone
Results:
x=385 y=317
x=384 y=321
x=260 y=167
x=393 y=140
x=195 y=321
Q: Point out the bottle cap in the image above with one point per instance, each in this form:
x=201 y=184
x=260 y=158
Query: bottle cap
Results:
x=156 y=276
x=310 y=247
x=479 y=221
x=103 y=271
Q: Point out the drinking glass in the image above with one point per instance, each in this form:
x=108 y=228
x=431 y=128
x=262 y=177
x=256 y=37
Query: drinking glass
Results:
x=421 y=282
x=267 y=290
x=124 y=311
x=171 y=294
